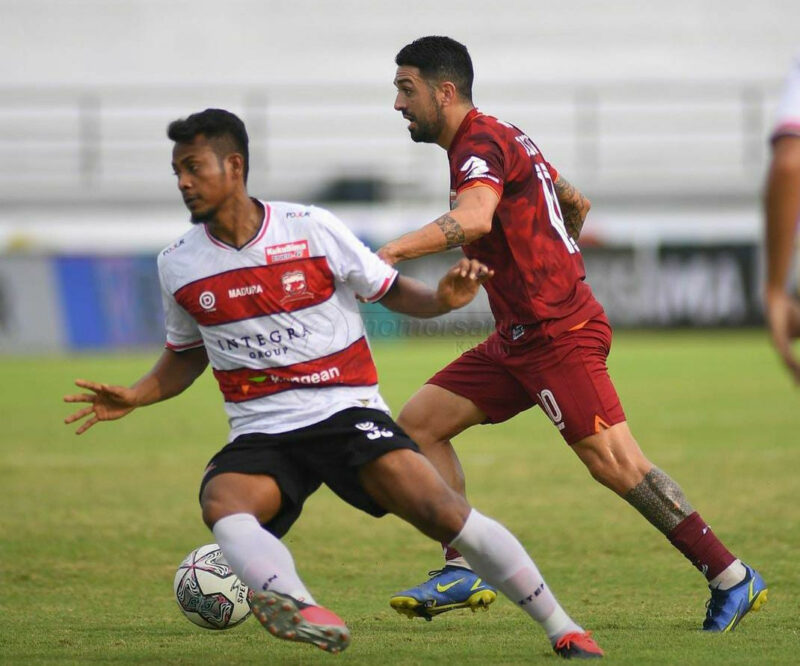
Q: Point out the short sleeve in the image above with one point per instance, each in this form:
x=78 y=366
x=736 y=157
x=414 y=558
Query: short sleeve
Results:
x=181 y=329
x=787 y=122
x=478 y=162
x=352 y=262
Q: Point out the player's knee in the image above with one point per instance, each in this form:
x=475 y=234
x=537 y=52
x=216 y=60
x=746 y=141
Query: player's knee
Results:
x=618 y=473
x=212 y=510
x=216 y=502
x=603 y=472
x=613 y=458
x=413 y=421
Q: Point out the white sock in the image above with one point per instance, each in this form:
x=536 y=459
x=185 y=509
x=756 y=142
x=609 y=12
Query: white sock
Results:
x=497 y=556
x=732 y=575
x=458 y=562
x=258 y=558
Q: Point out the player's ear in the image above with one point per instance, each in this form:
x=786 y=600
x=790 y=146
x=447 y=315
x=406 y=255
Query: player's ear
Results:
x=448 y=94
x=236 y=165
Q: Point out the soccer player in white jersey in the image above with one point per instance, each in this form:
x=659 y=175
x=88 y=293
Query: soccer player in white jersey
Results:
x=782 y=210
x=267 y=294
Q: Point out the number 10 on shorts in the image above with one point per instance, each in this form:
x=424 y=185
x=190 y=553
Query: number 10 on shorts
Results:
x=548 y=402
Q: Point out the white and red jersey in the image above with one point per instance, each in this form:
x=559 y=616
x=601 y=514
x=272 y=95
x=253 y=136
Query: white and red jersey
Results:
x=278 y=317
x=788 y=117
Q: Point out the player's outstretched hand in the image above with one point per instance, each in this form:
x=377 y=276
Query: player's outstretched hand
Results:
x=783 y=319
x=460 y=284
x=106 y=403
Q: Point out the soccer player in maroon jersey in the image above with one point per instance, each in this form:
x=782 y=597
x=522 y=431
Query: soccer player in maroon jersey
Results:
x=309 y=414
x=513 y=211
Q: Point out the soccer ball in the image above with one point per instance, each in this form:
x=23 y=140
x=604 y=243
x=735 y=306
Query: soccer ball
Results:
x=208 y=592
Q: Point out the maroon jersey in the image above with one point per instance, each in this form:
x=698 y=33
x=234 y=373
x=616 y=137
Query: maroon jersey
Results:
x=538 y=289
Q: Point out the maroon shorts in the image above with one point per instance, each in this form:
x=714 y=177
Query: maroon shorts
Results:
x=566 y=376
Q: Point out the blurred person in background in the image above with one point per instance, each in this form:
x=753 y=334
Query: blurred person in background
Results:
x=513 y=211
x=266 y=293
x=782 y=212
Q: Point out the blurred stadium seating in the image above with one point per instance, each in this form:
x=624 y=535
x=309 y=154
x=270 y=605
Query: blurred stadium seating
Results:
x=636 y=139
x=659 y=113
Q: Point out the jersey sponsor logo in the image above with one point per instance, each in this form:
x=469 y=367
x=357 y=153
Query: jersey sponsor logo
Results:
x=230 y=296
x=475 y=167
x=277 y=254
x=326 y=376
x=249 y=290
x=321 y=377
x=298 y=213
x=172 y=247
x=207 y=301
x=295 y=286
x=351 y=366
x=260 y=344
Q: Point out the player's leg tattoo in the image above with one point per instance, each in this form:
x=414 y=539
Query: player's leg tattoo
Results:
x=659 y=499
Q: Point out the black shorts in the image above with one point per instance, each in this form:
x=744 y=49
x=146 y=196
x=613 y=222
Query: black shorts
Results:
x=328 y=452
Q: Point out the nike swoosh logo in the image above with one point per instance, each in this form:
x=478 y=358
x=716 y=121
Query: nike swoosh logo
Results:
x=750 y=594
x=444 y=588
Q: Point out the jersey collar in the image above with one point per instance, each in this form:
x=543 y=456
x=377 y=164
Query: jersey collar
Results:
x=462 y=128
x=257 y=237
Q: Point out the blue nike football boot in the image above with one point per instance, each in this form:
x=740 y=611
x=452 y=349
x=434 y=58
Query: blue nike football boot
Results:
x=726 y=608
x=446 y=589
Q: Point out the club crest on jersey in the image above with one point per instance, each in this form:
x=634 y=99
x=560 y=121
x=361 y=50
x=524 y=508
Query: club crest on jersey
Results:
x=294 y=286
x=276 y=254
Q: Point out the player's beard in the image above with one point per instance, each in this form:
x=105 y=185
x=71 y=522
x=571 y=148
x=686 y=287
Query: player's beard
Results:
x=203 y=217
x=428 y=132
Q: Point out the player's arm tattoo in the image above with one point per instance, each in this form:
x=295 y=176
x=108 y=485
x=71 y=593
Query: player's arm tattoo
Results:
x=453 y=232
x=574 y=206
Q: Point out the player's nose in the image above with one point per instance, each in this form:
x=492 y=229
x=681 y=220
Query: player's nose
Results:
x=183 y=182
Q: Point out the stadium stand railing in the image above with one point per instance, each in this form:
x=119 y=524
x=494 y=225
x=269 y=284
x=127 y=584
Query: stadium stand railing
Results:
x=634 y=139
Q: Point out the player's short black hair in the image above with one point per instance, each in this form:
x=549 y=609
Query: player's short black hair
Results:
x=440 y=59
x=214 y=124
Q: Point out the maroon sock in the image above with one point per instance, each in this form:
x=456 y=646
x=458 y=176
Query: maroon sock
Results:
x=700 y=546
x=450 y=553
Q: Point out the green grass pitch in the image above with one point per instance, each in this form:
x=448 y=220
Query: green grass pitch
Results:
x=93 y=527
